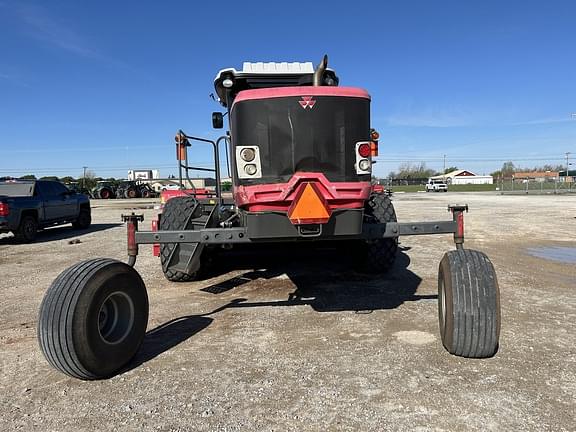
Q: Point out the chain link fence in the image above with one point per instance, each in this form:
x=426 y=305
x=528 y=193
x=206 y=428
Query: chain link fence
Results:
x=535 y=186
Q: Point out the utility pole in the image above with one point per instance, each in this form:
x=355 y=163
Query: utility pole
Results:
x=444 y=172
x=84 y=178
x=573 y=115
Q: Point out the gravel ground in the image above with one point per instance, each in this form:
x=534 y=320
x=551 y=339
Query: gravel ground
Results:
x=293 y=340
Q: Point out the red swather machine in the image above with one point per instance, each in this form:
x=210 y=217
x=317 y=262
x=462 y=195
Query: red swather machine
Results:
x=301 y=150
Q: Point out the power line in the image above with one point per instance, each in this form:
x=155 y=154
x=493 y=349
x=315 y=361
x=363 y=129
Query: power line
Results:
x=416 y=158
x=396 y=159
x=102 y=168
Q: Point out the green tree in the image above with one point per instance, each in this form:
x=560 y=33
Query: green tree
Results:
x=409 y=170
x=508 y=169
x=549 y=167
x=28 y=177
x=52 y=178
x=89 y=181
x=450 y=169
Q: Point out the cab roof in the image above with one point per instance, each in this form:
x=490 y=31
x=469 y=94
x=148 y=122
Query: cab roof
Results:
x=268 y=75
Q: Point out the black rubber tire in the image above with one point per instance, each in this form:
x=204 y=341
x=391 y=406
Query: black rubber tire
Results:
x=468 y=304
x=175 y=216
x=27 y=230
x=71 y=320
x=131 y=193
x=105 y=193
x=84 y=219
x=377 y=256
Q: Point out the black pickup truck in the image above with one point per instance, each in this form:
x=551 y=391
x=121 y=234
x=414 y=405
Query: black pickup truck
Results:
x=27 y=206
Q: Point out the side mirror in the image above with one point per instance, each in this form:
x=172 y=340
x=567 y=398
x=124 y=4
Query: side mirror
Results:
x=217 y=120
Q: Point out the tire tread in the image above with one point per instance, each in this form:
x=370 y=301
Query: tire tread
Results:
x=178 y=213
x=379 y=255
x=56 y=312
x=475 y=304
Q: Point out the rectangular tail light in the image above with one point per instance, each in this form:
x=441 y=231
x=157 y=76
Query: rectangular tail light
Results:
x=374 y=148
x=4 y=209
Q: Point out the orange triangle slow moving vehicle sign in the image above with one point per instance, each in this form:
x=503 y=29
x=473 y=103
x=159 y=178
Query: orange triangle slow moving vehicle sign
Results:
x=309 y=206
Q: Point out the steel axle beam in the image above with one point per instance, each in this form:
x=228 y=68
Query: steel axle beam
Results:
x=239 y=235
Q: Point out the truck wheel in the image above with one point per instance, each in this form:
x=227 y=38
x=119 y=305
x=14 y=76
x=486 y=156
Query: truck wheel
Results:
x=377 y=256
x=468 y=304
x=177 y=215
x=93 y=318
x=84 y=220
x=27 y=229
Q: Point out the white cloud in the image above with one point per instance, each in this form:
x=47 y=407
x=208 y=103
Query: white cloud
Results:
x=547 y=120
x=39 y=24
x=42 y=26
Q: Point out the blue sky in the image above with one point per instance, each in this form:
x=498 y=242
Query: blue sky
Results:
x=107 y=84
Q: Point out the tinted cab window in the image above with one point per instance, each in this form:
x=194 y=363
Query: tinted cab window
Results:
x=51 y=189
x=59 y=188
x=57 y=204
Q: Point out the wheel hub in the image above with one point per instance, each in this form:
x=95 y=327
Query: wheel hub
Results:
x=443 y=304
x=116 y=318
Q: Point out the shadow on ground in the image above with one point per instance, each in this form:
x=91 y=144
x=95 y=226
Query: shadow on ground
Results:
x=167 y=336
x=61 y=233
x=323 y=279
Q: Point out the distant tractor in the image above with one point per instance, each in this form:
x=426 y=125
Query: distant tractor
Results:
x=104 y=190
x=146 y=191
x=128 y=189
x=301 y=153
x=135 y=189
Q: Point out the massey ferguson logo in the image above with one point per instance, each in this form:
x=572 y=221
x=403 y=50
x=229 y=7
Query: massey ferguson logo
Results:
x=307 y=102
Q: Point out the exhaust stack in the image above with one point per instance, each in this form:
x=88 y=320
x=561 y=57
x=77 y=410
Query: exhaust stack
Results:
x=319 y=72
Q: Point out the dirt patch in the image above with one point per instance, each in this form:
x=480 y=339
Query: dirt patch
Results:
x=415 y=337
